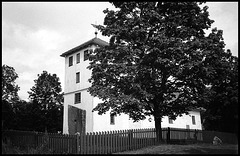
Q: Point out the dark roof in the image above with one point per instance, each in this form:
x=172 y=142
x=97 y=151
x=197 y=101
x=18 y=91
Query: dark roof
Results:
x=95 y=41
x=200 y=109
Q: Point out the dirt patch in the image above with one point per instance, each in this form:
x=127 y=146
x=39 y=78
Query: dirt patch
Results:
x=186 y=149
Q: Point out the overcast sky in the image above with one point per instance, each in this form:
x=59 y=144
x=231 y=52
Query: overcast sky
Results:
x=35 y=34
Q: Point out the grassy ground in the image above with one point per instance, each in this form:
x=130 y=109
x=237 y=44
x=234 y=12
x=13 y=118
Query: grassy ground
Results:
x=186 y=149
x=160 y=149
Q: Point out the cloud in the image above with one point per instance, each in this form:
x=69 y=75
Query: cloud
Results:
x=18 y=36
x=30 y=52
x=30 y=48
x=225 y=16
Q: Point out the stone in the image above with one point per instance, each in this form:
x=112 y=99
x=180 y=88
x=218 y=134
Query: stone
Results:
x=217 y=141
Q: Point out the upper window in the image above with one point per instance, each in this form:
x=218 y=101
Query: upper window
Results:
x=70 y=62
x=85 y=55
x=193 y=120
x=77 y=77
x=77 y=98
x=170 y=120
x=78 y=58
x=112 y=119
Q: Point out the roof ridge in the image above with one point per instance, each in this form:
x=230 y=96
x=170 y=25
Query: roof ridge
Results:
x=94 y=40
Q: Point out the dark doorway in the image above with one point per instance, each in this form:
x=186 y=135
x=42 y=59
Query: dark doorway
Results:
x=76 y=120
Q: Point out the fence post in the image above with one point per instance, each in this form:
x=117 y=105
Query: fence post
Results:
x=125 y=140
x=118 y=141
x=108 y=142
x=130 y=138
x=94 y=143
x=168 y=135
x=36 y=139
x=100 y=143
x=195 y=135
x=114 y=141
x=105 y=142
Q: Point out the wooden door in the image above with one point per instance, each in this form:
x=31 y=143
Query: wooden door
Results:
x=76 y=120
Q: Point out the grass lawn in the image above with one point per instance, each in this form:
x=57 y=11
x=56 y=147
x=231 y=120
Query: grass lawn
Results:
x=186 y=149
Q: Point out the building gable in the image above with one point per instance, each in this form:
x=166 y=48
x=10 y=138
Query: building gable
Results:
x=95 y=41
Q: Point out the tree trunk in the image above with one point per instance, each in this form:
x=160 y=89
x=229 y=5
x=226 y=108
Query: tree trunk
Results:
x=158 y=122
x=158 y=128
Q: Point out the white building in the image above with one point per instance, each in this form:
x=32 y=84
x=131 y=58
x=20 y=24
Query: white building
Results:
x=78 y=103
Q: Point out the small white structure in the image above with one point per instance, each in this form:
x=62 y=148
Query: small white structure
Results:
x=78 y=103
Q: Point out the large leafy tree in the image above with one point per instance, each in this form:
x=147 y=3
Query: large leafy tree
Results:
x=47 y=102
x=158 y=61
x=9 y=95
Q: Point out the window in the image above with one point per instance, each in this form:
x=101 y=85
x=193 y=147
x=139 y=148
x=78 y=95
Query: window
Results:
x=77 y=77
x=85 y=55
x=193 y=120
x=70 y=61
x=77 y=98
x=112 y=119
x=78 y=58
x=170 y=120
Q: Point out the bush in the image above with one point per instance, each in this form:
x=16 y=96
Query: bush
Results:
x=7 y=148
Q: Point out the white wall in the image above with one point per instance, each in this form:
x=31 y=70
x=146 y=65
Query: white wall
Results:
x=184 y=120
x=65 y=117
x=70 y=72
x=102 y=122
x=71 y=87
x=97 y=123
x=122 y=122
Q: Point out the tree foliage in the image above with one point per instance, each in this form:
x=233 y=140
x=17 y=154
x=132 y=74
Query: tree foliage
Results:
x=47 y=102
x=46 y=90
x=9 y=87
x=158 y=62
x=9 y=95
x=44 y=110
x=222 y=108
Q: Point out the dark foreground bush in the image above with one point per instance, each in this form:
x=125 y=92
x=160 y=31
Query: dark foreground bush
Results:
x=7 y=148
